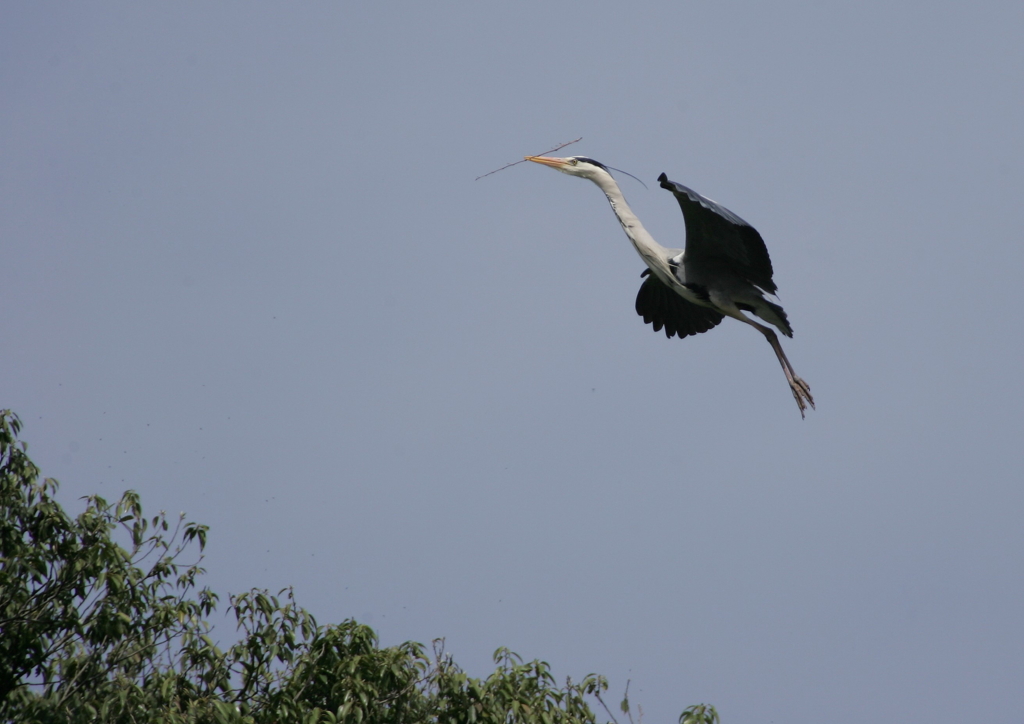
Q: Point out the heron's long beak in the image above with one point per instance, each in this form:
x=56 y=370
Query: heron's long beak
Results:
x=547 y=160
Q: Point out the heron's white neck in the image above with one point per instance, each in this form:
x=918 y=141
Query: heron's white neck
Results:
x=653 y=253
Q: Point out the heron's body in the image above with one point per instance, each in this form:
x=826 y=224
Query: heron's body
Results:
x=724 y=270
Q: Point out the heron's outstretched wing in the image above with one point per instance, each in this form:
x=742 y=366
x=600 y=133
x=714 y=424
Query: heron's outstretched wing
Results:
x=662 y=307
x=718 y=238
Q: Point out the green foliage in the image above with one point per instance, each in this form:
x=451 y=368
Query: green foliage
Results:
x=89 y=626
x=96 y=631
x=700 y=714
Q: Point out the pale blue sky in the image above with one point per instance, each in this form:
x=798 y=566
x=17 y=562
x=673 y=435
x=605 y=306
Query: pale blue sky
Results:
x=246 y=271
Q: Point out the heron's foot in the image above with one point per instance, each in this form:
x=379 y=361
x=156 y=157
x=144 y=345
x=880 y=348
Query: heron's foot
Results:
x=802 y=394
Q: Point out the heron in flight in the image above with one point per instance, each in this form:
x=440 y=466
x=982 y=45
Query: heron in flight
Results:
x=723 y=272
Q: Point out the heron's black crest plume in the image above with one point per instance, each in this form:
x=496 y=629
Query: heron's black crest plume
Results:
x=592 y=161
x=611 y=168
x=629 y=174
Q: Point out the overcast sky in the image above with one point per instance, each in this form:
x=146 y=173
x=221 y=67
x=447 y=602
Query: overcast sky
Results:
x=245 y=269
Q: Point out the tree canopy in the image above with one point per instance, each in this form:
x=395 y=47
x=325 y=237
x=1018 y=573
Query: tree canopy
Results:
x=93 y=630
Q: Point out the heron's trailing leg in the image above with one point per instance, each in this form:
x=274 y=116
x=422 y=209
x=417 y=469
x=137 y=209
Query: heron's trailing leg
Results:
x=801 y=390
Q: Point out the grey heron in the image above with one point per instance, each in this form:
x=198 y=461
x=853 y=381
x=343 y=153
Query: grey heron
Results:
x=724 y=270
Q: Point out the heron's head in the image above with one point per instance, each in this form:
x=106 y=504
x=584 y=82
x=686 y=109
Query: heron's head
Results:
x=573 y=165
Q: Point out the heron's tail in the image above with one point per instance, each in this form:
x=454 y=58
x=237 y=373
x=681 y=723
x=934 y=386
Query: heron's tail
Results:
x=774 y=314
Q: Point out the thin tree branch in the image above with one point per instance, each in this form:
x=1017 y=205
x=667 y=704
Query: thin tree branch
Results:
x=508 y=165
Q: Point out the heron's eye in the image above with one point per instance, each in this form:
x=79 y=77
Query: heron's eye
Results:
x=573 y=161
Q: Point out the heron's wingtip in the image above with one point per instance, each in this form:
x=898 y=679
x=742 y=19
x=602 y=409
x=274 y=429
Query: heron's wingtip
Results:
x=663 y=179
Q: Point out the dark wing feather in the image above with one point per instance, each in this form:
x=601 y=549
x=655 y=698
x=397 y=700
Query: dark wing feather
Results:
x=718 y=238
x=662 y=307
